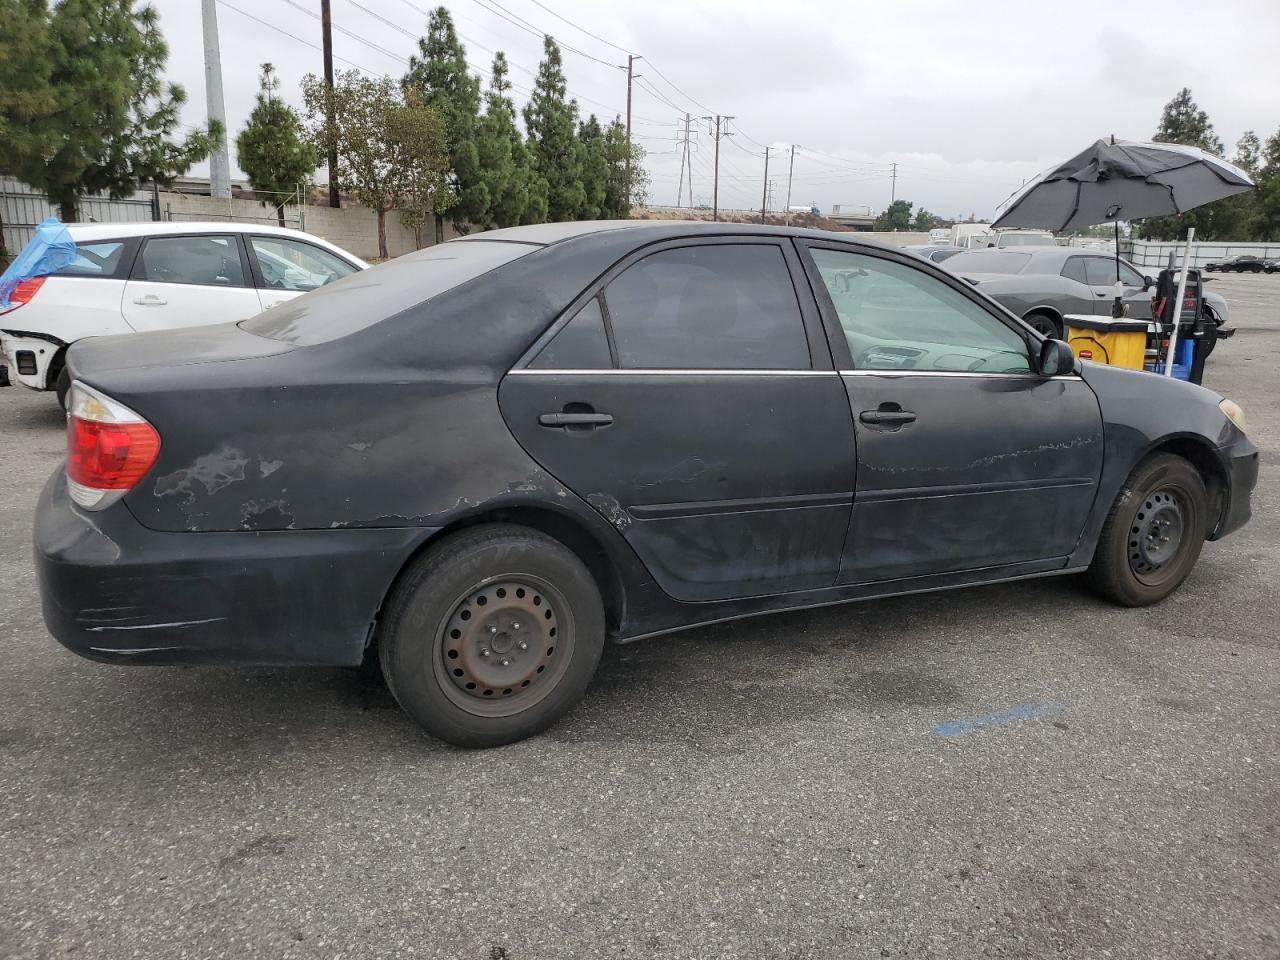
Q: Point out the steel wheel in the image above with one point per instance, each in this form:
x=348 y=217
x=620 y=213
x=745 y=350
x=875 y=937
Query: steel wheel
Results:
x=504 y=646
x=1156 y=537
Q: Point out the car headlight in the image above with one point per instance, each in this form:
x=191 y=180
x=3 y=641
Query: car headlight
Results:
x=1233 y=412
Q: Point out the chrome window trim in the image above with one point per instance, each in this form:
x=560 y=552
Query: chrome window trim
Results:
x=715 y=372
x=667 y=371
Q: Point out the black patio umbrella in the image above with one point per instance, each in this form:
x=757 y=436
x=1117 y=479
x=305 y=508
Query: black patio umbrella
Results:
x=1118 y=180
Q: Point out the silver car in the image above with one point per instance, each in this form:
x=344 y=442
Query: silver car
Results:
x=1043 y=284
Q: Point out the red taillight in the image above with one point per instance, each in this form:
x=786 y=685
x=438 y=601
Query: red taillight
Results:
x=109 y=456
x=23 y=291
x=109 y=447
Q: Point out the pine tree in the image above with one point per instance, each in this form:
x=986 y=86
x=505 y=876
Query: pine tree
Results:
x=500 y=152
x=551 y=121
x=272 y=148
x=102 y=62
x=595 y=169
x=1266 y=220
x=621 y=196
x=1183 y=122
x=439 y=74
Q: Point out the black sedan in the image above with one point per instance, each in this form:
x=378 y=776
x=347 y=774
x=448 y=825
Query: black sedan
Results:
x=1245 y=263
x=480 y=461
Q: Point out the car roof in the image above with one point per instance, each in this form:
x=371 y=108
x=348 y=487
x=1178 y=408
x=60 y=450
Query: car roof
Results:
x=545 y=234
x=147 y=228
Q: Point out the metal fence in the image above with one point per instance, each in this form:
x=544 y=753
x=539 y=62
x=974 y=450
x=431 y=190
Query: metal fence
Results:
x=1155 y=254
x=22 y=209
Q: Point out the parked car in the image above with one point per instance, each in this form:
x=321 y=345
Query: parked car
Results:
x=1245 y=263
x=1044 y=284
x=934 y=252
x=1021 y=238
x=487 y=457
x=153 y=276
x=1271 y=266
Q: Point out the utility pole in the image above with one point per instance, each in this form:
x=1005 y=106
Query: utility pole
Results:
x=631 y=75
x=893 y=191
x=790 y=171
x=219 y=164
x=764 y=193
x=326 y=28
x=721 y=130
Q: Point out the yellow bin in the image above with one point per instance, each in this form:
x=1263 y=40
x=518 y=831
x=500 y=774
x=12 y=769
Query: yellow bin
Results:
x=1120 y=343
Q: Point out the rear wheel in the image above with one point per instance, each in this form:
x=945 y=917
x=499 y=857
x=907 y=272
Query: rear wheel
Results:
x=491 y=635
x=1153 y=534
x=1044 y=323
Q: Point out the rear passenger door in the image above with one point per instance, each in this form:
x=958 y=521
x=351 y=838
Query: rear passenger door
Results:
x=690 y=398
x=187 y=280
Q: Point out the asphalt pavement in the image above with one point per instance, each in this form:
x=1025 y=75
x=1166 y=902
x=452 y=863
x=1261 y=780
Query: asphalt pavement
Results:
x=1008 y=771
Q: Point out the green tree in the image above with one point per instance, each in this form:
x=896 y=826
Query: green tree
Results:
x=503 y=160
x=621 y=196
x=595 y=169
x=551 y=121
x=272 y=148
x=111 y=126
x=418 y=131
x=439 y=74
x=896 y=217
x=1266 y=200
x=924 y=220
x=1183 y=122
x=380 y=138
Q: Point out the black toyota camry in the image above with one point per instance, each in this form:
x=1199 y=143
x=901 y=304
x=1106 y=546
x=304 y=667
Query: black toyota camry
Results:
x=481 y=461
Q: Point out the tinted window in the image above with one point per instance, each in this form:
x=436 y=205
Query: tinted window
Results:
x=580 y=345
x=210 y=260
x=97 y=259
x=897 y=317
x=1073 y=269
x=988 y=261
x=295 y=265
x=368 y=296
x=727 y=306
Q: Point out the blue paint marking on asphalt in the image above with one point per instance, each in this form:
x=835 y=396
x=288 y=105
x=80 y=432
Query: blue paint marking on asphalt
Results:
x=1028 y=711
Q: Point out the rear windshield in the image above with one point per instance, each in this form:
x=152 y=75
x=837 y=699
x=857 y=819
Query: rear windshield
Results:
x=366 y=297
x=99 y=258
x=988 y=261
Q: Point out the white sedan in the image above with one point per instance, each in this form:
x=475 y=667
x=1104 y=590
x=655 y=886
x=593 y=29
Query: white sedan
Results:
x=134 y=277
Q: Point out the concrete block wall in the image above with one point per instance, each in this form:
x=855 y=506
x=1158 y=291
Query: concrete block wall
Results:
x=353 y=228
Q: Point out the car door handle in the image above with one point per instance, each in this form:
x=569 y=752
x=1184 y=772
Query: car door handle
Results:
x=887 y=418
x=587 y=420
x=150 y=300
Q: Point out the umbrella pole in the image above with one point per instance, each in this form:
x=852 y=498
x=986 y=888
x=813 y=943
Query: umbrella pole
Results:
x=1116 y=224
x=1177 y=306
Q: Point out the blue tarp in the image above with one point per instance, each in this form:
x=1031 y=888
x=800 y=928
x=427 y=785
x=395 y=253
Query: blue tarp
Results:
x=49 y=251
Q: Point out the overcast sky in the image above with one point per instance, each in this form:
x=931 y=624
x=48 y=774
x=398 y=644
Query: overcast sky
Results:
x=968 y=98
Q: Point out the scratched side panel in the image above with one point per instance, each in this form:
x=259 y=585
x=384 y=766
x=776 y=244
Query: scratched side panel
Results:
x=992 y=471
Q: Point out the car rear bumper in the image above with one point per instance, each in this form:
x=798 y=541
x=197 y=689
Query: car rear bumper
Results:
x=1242 y=468
x=115 y=591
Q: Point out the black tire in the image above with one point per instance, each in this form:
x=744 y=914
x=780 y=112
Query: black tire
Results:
x=1256 y=269
x=1044 y=323
x=498 y=608
x=62 y=386
x=1153 y=534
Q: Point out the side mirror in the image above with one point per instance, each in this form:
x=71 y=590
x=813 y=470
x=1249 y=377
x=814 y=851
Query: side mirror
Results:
x=1056 y=358
x=1147 y=283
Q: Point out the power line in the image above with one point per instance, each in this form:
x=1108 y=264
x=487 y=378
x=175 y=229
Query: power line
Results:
x=294 y=36
x=519 y=21
x=581 y=29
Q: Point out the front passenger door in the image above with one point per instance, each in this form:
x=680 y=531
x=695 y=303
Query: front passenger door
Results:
x=967 y=458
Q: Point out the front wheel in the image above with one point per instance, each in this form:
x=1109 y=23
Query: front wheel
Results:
x=1153 y=534
x=1045 y=324
x=491 y=635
